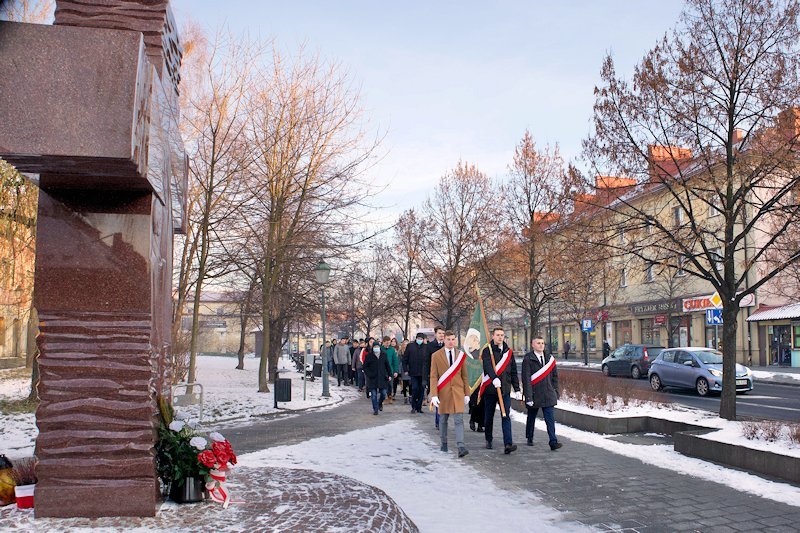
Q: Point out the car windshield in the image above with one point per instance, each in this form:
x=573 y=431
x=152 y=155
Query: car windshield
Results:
x=709 y=357
x=653 y=351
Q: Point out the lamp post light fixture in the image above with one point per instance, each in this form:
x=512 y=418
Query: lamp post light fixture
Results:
x=323 y=273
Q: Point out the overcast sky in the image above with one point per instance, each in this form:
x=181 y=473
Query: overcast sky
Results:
x=458 y=79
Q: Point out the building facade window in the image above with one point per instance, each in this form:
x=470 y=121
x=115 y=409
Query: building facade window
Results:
x=677 y=216
x=622 y=332
x=714 y=206
x=623 y=277
x=649 y=273
x=651 y=332
x=681 y=261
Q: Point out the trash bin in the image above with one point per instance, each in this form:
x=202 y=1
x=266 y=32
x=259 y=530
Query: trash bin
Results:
x=317 y=370
x=283 y=390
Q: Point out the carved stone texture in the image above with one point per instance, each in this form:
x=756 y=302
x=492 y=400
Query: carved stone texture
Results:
x=153 y=18
x=75 y=102
x=99 y=363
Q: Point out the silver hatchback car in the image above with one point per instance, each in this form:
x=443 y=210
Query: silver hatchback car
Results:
x=695 y=368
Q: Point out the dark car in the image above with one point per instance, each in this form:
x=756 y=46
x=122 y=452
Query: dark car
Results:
x=695 y=368
x=630 y=360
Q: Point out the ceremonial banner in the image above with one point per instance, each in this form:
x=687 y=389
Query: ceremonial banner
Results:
x=475 y=339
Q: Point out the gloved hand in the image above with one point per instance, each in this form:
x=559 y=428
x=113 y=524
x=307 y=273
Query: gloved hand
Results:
x=496 y=383
x=529 y=403
x=517 y=395
x=435 y=401
x=466 y=400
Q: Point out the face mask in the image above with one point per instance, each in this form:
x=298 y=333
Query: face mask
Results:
x=419 y=341
x=376 y=350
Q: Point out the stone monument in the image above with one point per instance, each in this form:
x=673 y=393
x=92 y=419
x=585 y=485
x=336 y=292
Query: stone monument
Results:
x=90 y=105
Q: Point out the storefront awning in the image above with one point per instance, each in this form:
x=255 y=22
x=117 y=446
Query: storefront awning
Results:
x=779 y=313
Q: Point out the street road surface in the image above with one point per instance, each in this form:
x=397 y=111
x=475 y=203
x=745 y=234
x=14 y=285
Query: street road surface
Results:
x=766 y=400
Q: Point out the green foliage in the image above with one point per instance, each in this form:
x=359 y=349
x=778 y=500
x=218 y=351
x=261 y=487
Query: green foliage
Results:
x=176 y=459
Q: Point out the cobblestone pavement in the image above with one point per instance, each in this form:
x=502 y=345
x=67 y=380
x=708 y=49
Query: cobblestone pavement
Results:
x=590 y=485
x=268 y=499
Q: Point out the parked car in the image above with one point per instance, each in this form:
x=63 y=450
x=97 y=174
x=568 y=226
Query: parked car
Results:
x=630 y=360
x=695 y=368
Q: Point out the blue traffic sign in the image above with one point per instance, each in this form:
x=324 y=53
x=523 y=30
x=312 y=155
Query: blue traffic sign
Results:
x=586 y=324
x=713 y=317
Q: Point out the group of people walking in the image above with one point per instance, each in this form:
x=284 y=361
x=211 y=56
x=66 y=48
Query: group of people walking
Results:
x=434 y=371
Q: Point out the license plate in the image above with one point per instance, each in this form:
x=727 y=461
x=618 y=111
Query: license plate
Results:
x=741 y=382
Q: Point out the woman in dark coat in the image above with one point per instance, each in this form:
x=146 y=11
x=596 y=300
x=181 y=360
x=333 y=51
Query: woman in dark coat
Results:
x=377 y=373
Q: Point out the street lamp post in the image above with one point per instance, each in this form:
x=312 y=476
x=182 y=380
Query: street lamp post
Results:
x=323 y=272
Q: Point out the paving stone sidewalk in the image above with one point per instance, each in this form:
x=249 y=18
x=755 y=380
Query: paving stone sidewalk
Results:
x=266 y=499
x=606 y=491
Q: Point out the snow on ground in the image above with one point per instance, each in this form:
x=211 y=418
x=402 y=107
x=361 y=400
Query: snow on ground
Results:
x=442 y=496
x=729 y=431
x=230 y=397
x=776 y=377
x=664 y=456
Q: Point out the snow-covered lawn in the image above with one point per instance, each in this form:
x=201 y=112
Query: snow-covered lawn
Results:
x=230 y=397
x=443 y=496
x=776 y=377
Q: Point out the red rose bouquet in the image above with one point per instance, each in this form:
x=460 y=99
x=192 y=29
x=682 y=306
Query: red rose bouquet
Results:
x=217 y=459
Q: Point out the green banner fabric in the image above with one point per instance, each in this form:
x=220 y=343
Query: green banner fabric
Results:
x=475 y=339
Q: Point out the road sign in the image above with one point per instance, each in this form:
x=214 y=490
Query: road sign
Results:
x=713 y=317
x=586 y=324
x=716 y=300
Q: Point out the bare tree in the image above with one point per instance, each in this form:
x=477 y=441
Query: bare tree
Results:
x=457 y=217
x=308 y=155
x=518 y=262
x=709 y=121
x=214 y=120
x=405 y=277
x=35 y=11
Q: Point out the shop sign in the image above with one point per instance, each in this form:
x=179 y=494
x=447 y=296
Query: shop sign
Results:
x=660 y=320
x=711 y=301
x=650 y=308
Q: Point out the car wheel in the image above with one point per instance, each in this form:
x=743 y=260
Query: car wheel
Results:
x=606 y=372
x=655 y=382
x=702 y=386
x=635 y=372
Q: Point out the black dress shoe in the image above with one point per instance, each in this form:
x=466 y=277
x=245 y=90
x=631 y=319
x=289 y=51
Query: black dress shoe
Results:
x=488 y=445
x=472 y=426
x=510 y=448
x=530 y=442
x=556 y=446
x=462 y=452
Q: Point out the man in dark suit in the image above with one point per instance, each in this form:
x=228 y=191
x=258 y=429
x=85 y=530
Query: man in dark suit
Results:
x=501 y=371
x=540 y=390
x=415 y=362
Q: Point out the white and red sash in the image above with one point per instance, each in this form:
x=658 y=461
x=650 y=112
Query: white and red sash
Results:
x=543 y=372
x=499 y=368
x=454 y=369
x=216 y=488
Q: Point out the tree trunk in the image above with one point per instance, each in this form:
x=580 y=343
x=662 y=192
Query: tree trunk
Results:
x=727 y=404
x=34 y=394
x=276 y=334
x=242 y=334
x=263 y=380
x=30 y=337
